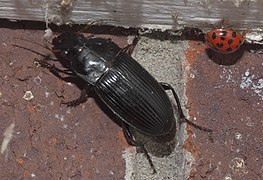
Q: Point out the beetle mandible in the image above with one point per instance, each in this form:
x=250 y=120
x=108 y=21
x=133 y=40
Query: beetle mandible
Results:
x=129 y=90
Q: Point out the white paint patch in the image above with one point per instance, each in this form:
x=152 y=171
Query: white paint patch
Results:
x=28 y=95
x=130 y=39
x=247 y=82
x=238 y=165
x=60 y=117
x=8 y=134
x=238 y=136
x=12 y=62
x=66 y=3
x=255 y=36
x=48 y=33
x=68 y=111
x=228 y=177
x=69 y=84
x=228 y=75
x=47 y=94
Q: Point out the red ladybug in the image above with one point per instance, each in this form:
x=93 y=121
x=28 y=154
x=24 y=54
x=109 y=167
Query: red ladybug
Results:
x=224 y=41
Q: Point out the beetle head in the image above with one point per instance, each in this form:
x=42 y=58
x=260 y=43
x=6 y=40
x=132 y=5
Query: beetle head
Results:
x=67 y=41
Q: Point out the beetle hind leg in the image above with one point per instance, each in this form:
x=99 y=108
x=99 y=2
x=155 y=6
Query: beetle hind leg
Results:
x=182 y=118
x=131 y=141
x=74 y=103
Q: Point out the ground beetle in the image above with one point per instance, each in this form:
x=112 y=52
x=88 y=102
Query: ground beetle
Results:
x=122 y=84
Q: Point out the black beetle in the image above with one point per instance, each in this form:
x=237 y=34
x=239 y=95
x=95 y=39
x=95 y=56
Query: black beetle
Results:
x=131 y=92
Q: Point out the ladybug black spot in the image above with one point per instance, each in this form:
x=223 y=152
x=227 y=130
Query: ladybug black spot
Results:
x=240 y=42
x=229 y=49
x=230 y=41
x=223 y=33
x=222 y=38
x=234 y=34
x=214 y=35
x=220 y=45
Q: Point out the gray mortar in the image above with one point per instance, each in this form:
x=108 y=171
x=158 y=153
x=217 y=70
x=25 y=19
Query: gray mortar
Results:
x=163 y=59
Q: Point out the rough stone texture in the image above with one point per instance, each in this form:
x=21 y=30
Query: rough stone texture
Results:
x=52 y=141
x=225 y=94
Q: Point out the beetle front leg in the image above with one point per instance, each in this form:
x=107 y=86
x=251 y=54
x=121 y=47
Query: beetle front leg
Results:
x=53 y=69
x=83 y=98
x=182 y=117
x=131 y=141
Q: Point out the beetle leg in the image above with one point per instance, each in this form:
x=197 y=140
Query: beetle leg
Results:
x=50 y=67
x=131 y=141
x=182 y=117
x=83 y=98
x=133 y=44
x=130 y=47
x=125 y=49
x=53 y=69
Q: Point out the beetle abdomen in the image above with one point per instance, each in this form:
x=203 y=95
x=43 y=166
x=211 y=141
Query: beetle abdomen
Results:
x=136 y=97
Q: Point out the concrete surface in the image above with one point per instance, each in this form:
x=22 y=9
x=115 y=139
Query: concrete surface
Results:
x=51 y=141
x=163 y=59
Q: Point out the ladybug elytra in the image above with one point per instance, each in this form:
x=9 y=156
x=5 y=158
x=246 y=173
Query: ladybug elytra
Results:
x=224 y=41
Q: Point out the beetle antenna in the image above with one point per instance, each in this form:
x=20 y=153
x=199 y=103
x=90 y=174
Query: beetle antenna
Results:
x=45 y=56
x=93 y=23
x=22 y=47
x=33 y=42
